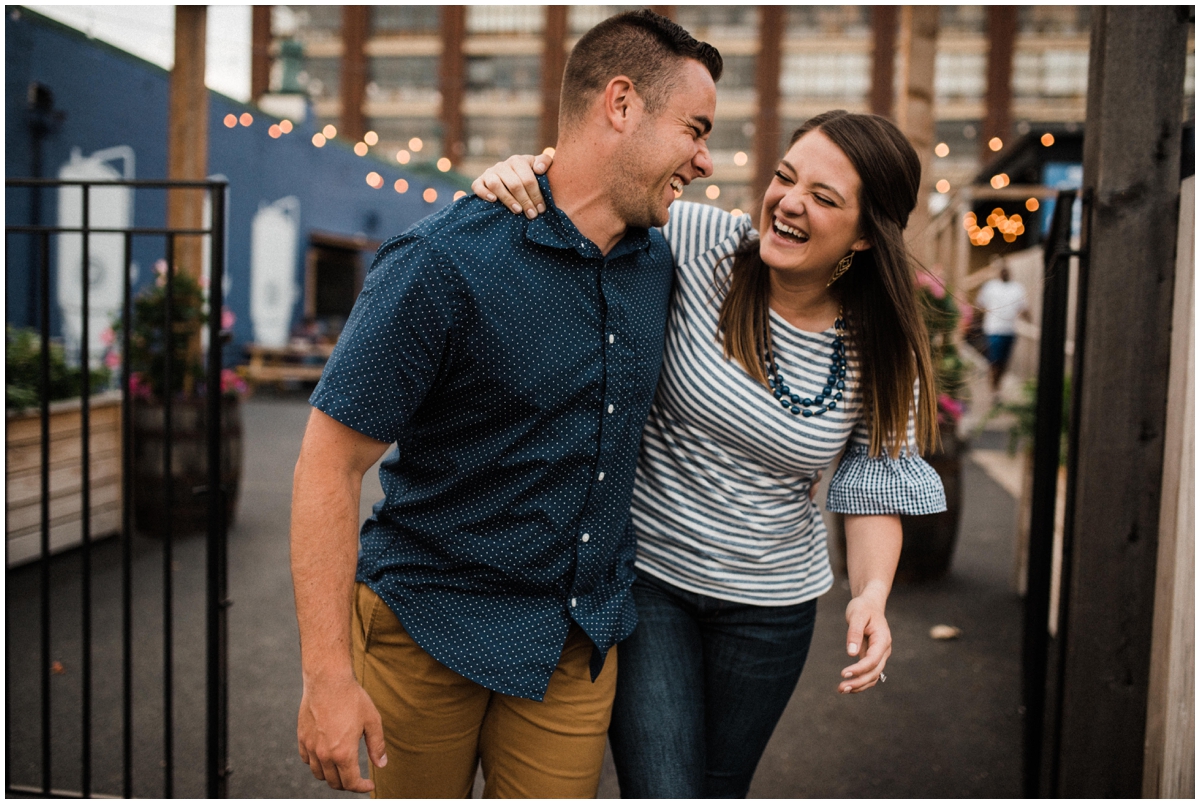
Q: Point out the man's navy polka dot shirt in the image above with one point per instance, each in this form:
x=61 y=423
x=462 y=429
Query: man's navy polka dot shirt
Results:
x=513 y=364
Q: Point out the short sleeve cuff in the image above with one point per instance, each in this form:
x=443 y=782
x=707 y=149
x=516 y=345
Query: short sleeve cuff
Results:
x=867 y=486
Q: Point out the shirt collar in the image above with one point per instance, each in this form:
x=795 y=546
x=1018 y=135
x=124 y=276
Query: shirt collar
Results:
x=553 y=228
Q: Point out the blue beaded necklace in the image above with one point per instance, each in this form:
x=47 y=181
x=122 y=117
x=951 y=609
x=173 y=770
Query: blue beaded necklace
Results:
x=835 y=383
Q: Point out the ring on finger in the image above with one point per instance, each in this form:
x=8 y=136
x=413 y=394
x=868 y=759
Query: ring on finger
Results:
x=882 y=677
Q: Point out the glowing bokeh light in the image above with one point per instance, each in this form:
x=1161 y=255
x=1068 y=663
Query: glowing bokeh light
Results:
x=246 y=119
x=1047 y=139
x=942 y=186
x=318 y=140
x=737 y=213
x=273 y=132
x=415 y=145
x=330 y=131
x=443 y=164
x=430 y=195
x=285 y=126
x=375 y=180
x=549 y=151
x=995 y=143
x=713 y=192
x=459 y=194
x=942 y=149
x=401 y=186
x=402 y=156
x=230 y=120
x=371 y=138
x=740 y=158
x=360 y=148
x=1032 y=205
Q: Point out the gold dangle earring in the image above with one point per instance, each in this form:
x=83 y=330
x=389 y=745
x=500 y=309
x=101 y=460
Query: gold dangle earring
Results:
x=842 y=267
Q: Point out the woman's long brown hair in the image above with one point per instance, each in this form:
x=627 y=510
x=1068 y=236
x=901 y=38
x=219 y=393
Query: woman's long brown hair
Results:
x=878 y=294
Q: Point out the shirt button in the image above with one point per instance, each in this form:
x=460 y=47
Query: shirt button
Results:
x=585 y=537
x=611 y=338
x=610 y=408
x=601 y=476
x=572 y=602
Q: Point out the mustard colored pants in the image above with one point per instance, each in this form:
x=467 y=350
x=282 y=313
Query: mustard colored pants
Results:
x=438 y=725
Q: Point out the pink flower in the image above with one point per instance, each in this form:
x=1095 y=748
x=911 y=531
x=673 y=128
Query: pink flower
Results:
x=227 y=318
x=232 y=382
x=107 y=336
x=931 y=283
x=112 y=360
x=950 y=410
x=138 y=386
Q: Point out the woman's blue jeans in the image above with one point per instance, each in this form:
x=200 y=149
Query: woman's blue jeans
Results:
x=702 y=684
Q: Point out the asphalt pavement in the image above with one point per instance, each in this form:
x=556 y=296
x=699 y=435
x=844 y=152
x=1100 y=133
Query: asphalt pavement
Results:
x=946 y=724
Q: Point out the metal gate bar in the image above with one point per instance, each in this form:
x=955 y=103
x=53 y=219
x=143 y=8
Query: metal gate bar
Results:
x=216 y=552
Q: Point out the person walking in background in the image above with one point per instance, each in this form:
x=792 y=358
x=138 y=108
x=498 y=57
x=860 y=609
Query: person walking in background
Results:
x=785 y=347
x=512 y=362
x=1002 y=301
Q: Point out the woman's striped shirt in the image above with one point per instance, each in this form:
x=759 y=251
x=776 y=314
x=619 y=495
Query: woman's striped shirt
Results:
x=721 y=502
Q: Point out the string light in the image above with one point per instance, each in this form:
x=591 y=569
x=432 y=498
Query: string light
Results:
x=713 y=192
x=415 y=145
x=549 y=151
x=737 y=213
x=430 y=195
x=401 y=186
x=246 y=119
x=230 y=120
x=943 y=186
x=740 y=158
x=459 y=194
x=330 y=131
x=1032 y=205
x=1047 y=139
x=995 y=143
x=274 y=132
x=360 y=148
x=318 y=140
x=942 y=149
x=371 y=138
x=999 y=181
x=402 y=156
x=443 y=164
x=375 y=180
x=285 y=126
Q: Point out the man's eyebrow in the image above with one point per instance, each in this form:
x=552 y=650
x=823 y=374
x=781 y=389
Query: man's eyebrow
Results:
x=820 y=184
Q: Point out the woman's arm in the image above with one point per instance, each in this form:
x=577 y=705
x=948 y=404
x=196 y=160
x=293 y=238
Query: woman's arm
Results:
x=514 y=183
x=872 y=552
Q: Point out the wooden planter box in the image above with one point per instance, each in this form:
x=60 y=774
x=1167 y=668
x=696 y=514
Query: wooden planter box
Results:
x=23 y=464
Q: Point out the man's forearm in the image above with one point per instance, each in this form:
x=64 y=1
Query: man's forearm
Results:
x=324 y=542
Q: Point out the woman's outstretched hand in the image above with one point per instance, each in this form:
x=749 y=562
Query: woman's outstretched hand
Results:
x=513 y=183
x=868 y=637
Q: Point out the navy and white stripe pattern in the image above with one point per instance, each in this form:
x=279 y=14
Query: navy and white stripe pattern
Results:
x=721 y=504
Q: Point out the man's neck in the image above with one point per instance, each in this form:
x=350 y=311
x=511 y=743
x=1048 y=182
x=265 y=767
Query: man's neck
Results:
x=576 y=182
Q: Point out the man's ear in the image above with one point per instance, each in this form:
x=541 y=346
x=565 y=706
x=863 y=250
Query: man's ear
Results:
x=621 y=103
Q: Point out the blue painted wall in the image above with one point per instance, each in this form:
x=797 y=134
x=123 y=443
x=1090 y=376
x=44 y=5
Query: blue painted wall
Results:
x=112 y=98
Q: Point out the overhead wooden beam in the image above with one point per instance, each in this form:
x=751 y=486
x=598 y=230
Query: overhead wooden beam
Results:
x=884 y=22
x=1002 y=37
x=664 y=11
x=187 y=133
x=1122 y=359
x=766 y=84
x=554 y=60
x=260 y=52
x=355 y=29
x=453 y=77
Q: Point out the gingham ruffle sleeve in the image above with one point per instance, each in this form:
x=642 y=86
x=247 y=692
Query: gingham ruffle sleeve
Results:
x=884 y=485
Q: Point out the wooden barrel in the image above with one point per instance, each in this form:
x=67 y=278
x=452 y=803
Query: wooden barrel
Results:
x=188 y=513
x=929 y=540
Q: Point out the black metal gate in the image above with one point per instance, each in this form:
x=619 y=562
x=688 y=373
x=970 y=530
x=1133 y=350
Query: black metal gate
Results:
x=76 y=775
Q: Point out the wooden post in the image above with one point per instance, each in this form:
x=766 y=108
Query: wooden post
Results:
x=997 y=121
x=355 y=27
x=884 y=21
x=554 y=60
x=664 y=11
x=187 y=134
x=453 y=76
x=1122 y=361
x=914 y=107
x=260 y=52
x=766 y=84
x=1170 y=764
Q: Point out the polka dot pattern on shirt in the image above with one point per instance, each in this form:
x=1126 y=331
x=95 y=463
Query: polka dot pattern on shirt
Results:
x=513 y=365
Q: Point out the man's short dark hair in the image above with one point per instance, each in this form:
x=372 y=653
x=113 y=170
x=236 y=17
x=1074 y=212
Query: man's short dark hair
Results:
x=645 y=47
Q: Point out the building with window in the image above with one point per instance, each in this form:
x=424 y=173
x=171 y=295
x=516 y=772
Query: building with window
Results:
x=473 y=84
